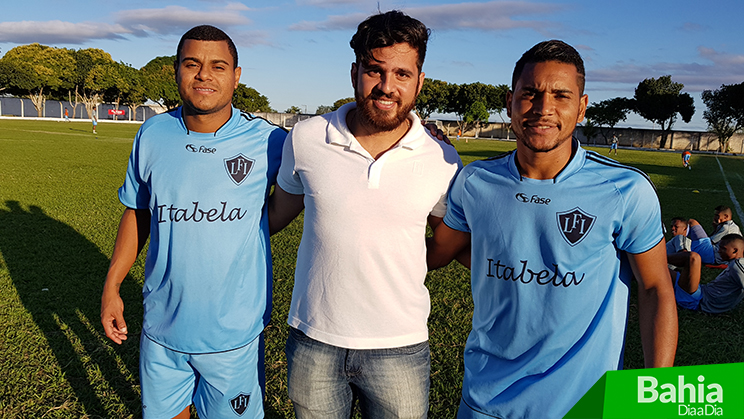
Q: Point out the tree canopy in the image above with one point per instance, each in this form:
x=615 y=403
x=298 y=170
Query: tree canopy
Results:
x=432 y=98
x=473 y=102
x=249 y=100
x=725 y=113
x=660 y=101
x=160 y=81
x=607 y=113
x=341 y=102
x=50 y=71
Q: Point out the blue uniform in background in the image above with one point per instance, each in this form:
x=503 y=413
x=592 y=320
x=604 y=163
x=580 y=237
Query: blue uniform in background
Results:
x=550 y=282
x=208 y=270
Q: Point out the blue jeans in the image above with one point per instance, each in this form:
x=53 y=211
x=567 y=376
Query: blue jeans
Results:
x=324 y=380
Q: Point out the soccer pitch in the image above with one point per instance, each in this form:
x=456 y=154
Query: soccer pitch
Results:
x=59 y=214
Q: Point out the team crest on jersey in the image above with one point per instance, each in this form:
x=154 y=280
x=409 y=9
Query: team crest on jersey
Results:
x=238 y=168
x=240 y=403
x=574 y=225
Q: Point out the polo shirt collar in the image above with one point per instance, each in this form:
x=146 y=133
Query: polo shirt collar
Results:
x=338 y=132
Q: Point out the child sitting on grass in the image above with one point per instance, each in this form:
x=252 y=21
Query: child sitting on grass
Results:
x=723 y=293
x=707 y=246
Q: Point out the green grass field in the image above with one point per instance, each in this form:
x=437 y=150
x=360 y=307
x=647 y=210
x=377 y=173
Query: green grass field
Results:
x=58 y=218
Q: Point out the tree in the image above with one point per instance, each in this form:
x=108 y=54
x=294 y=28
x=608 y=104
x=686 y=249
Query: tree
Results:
x=432 y=98
x=50 y=71
x=341 y=102
x=95 y=75
x=725 y=113
x=496 y=102
x=249 y=100
x=160 y=81
x=476 y=115
x=589 y=129
x=135 y=95
x=323 y=109
x=608 y=113
x=294 y=110
x=470 y=103
x=17 y=79
x=660 y=100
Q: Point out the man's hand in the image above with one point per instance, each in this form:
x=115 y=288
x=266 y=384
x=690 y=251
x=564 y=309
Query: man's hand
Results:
x=134 y=229
x=436 y=132
x=112 y=315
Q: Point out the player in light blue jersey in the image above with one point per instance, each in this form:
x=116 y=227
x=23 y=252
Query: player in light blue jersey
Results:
x=197 y=182
x=557 y=233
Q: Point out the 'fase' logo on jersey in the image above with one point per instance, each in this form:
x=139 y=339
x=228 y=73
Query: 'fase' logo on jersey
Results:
x=534 y=199
x=574 y=225
x=238 y=168
x=240 y=403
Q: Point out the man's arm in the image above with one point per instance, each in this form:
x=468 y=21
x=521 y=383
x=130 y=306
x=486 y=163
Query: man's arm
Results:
x=657 y=308
x=446 y=245
x=134 y=229
x=283 y=208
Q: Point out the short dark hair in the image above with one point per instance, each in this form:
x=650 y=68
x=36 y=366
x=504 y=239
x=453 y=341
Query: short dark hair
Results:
x=553 y=50
x=684 y=220
x=207 y=33
x=737 y=239
x=387 y=29
x=724 y=209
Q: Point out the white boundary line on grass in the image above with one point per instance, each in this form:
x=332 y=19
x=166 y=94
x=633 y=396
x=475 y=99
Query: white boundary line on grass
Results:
x=731 y=192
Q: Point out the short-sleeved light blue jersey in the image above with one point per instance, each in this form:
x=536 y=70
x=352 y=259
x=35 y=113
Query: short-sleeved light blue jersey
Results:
x=208 y=268
x=550 y=282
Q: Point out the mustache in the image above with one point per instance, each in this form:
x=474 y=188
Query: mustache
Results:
x=379 y=94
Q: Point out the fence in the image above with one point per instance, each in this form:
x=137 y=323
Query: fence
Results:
x=627 y=137
x=23 y=107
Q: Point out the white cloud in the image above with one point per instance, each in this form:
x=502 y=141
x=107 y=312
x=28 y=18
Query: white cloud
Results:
x=329 y=3
x=58 y=32
x=238 y=7
x=177 y=19
x=251 y=38
x=696 y=76
x=335 y=22
x=488 y=16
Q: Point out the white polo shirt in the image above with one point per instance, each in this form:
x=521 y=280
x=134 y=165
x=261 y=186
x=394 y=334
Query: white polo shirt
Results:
x=361 y=264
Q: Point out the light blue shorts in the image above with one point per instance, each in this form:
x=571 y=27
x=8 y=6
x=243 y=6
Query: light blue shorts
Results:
x=221 y=385
x=685 y=300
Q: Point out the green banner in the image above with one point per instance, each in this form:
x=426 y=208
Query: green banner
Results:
x=709 y=391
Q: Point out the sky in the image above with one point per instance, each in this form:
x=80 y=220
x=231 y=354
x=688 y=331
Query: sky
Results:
x=296 y=52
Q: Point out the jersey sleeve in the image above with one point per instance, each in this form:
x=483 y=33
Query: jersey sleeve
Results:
x=641 y=225
x=135 y=193
x=455 y=217
x=288 y=178
x=276 y=145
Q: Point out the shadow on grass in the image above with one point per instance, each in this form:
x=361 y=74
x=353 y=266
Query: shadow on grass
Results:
x=58 y=274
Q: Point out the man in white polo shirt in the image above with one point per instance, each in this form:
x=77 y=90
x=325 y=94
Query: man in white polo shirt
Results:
x=369 y=177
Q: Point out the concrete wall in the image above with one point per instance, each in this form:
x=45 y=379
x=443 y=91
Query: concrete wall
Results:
x=677 y=140
x=627 y=137
x=14 y=106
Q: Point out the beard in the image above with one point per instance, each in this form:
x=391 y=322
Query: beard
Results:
x=381 y=120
